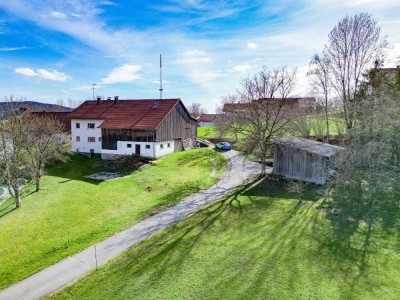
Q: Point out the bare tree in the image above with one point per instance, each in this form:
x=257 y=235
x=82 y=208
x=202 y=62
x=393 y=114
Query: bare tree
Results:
x=320 y=76
x=263 y=110
x=13 y=135
x=369 y=168
x=355 y=44
x=195 y=110
x=42 y=147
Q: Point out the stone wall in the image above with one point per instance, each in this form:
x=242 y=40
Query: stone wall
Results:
x=108 y=156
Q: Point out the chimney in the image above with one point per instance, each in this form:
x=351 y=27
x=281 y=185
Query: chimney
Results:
x=108 y=98
x=156 y=103
x=98 y=100
x=115 y=100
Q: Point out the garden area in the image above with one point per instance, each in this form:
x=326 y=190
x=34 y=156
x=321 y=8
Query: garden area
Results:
x=71 y=212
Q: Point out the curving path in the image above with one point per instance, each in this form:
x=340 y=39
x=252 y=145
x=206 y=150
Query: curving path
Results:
x=56 y=276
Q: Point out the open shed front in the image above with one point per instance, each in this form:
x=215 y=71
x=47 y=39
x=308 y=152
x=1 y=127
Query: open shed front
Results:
x=303 y=159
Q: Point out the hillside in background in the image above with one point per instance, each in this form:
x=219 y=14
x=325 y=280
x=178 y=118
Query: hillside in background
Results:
x=36 y=106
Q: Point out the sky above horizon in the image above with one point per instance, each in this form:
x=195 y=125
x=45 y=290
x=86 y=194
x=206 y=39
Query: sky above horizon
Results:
x=53 y=49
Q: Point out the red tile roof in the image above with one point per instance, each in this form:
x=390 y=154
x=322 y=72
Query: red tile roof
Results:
x=207 y=117
x=138 y=114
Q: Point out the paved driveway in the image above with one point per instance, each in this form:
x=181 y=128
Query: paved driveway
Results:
x=56 y=276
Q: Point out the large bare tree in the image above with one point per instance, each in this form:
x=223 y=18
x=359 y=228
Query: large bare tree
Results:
x=263 y=111
x=195 y=110
x=42 y=147
x=13 y=136
x=320 y=76
x=355 y=44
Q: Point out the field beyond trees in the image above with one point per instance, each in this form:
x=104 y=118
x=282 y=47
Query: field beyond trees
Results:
x=70 y=213
x=267 y=241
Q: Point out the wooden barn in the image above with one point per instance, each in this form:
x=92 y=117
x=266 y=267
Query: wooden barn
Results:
x=303 y=159
x=147 y=127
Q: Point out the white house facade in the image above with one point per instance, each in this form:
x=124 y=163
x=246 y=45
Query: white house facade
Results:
x=148 y=128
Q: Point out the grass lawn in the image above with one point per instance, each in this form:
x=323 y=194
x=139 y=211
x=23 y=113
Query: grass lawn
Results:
x=207 y=132
x=263 y=242
x=85 y=211
x=210 y=132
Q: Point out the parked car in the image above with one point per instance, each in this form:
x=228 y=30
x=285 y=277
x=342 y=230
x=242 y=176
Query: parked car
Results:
x=223 y=146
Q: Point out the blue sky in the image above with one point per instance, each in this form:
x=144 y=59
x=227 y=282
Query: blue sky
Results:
x=53 y=49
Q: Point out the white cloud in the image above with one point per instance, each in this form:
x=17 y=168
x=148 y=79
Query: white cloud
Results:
x=251 y=45
x=241 y=68
x=124 y=73
x=58 y=15
x=25 y=71
x=6 y=49
x=42 y=73
x=194 y=56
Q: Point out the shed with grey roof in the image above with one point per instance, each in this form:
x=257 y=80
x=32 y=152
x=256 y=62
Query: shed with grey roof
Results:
x=303 y=159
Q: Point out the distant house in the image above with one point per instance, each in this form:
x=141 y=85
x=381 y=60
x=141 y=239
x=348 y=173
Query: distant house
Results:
x=207 y=119
x=303 y=159
x=114 y=128
x=303 y=104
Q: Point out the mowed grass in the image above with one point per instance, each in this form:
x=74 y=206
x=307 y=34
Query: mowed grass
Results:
x=261 y=243
x=207 y=132
x=318 y=127
x=69 y=207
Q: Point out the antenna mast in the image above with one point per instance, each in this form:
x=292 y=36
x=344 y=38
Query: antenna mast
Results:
x=93 y=88
x=161 y=88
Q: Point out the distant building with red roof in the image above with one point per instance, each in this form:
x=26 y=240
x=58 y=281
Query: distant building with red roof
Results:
x=302 y=104
x=148 y=127
x=207 y=119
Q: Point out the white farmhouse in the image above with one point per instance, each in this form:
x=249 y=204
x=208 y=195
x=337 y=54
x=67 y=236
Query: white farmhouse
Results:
x=114 y=128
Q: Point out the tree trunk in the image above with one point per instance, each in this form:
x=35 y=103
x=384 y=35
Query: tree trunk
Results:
x=18 y=202
x=263 y=167
x=37 y=183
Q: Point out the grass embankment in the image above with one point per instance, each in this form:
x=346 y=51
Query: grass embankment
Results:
x=261 y=243
x=85 y=211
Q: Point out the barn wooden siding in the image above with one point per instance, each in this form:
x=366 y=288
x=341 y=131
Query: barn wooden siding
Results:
x=297 y=164
x=177 y=125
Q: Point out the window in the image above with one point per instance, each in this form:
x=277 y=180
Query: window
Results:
x=78 y=125
x=78 y=138
x=129 y=145
x=90 y=125
x=147 y=146
x=169 y=145
x=99 y=139
x=91 y=139
x=162 y=146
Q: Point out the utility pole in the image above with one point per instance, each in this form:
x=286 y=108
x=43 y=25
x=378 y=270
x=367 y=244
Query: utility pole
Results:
x=93 y=88
x=161 y=88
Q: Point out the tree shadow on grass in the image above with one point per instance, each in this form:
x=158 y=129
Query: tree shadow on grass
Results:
x=7 y=207
x=173 y=246
x=362 y=227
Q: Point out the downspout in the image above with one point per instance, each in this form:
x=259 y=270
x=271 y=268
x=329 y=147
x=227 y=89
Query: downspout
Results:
x=154 y=144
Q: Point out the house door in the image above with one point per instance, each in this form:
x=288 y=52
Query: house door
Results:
x=91 y=153
x=137 y=149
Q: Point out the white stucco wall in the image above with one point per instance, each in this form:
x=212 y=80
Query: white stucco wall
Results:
x=206 y=124
x=84 y=133
x=165 y=150
x=155 y=150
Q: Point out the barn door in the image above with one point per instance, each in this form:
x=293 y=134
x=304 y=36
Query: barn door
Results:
x=178 y=145
x=137 y=149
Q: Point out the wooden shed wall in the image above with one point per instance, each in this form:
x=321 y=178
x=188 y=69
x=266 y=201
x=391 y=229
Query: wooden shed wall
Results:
x=177 y=125
x=293 y=163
